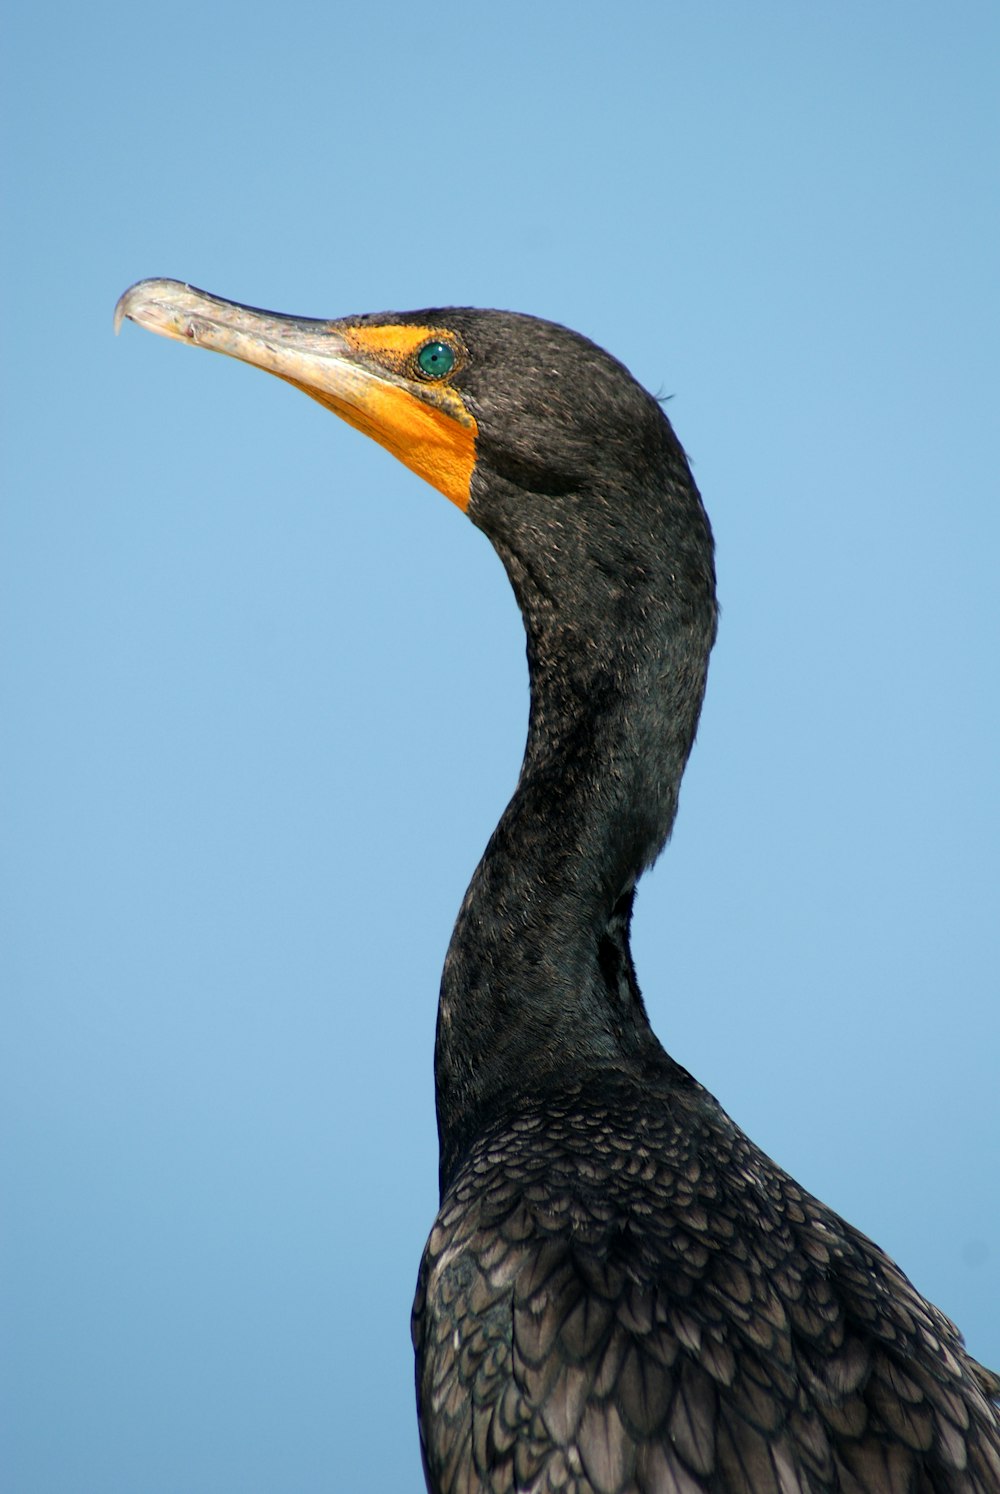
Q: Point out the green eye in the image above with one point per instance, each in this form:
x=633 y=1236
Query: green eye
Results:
x=436 y=359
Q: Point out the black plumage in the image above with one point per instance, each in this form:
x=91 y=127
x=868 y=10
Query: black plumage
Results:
x=621 y=1294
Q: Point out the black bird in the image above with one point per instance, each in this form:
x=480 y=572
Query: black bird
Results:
x=621 y=1294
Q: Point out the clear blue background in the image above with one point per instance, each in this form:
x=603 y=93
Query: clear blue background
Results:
x=263 y=693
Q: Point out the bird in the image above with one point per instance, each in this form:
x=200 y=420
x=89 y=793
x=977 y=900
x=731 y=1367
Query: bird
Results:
x=621 y=1294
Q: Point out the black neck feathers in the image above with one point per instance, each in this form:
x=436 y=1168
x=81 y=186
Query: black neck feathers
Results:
x=615 y=581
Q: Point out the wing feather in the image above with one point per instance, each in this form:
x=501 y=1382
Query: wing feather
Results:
x=677 y=1317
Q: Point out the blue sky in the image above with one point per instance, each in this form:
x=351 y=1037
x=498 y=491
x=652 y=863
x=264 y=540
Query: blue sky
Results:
x=264 y=695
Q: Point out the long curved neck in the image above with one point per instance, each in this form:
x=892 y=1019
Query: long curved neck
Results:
x=538 y=982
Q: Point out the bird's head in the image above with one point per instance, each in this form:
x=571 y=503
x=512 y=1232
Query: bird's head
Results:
x=542 y=438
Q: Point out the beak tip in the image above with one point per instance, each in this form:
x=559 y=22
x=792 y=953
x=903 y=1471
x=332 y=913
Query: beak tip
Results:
x=145 y=295
x=127 y=300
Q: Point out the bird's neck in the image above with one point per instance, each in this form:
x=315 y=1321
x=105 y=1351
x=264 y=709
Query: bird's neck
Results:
x=538 y=984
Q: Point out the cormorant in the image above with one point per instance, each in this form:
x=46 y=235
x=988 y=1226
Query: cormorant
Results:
x=621 y=1294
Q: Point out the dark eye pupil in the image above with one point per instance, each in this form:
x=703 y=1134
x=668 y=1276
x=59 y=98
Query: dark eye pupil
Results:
x=436 y=359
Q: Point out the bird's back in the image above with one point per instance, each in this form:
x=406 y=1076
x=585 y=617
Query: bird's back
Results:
x=622 y=1295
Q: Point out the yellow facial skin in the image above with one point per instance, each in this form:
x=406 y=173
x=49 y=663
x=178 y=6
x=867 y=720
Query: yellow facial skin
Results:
x=368 y=375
